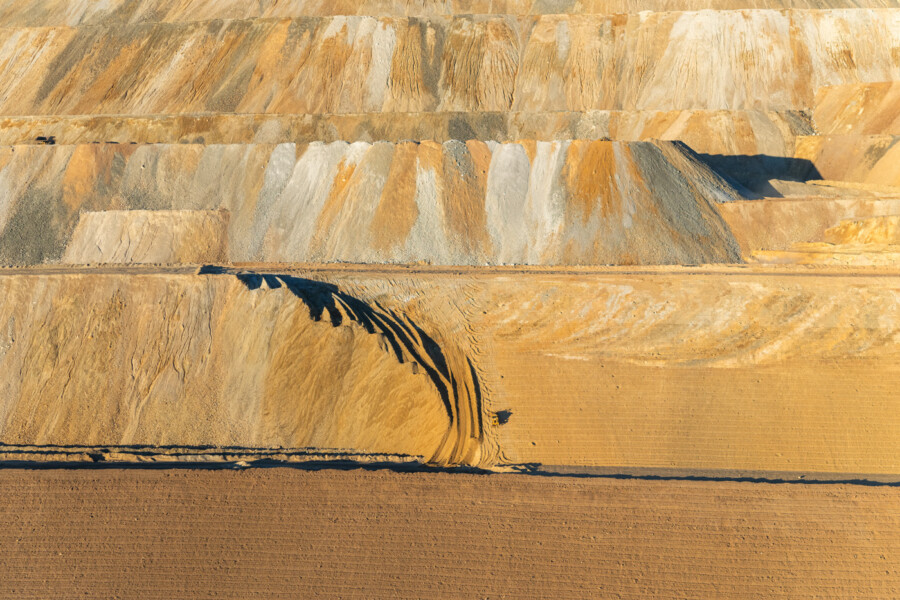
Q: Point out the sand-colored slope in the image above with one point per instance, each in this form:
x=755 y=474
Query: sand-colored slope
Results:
x=44 y=13
x=877 y=230
x=864 y=242
x=872 y=159
x=787 y=370
x=793 y=372
x=770 y=133
x=476 y=203
x=777 y=223
x=200 y=361
x=859 y=109
x=734 y=60
x=280 y=533
x=821 y=253
x=149 y=236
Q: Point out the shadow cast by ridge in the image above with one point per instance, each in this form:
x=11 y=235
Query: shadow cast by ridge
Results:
x=750 y=174
x=455 y=379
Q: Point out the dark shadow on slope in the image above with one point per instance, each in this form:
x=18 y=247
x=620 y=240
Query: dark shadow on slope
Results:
x=751 y=174
x=322 y=299
x=399 y=335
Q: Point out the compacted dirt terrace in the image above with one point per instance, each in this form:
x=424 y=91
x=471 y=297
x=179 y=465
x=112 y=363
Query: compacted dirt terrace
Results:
x=449 y=299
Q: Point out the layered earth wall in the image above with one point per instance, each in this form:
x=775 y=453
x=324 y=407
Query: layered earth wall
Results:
x=523 y=298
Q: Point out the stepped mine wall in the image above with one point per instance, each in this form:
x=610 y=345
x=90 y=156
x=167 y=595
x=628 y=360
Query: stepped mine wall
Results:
x=707 y=60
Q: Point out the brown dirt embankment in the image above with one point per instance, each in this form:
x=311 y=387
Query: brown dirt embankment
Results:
x=858 y=109
x=283 y=533
x=734 y=368
x=198 y=361
x=869 y=159
x=778 y=223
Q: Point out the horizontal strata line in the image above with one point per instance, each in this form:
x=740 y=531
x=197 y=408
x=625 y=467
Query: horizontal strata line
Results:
x=233 y=463
x=531 y=470
x=107 y=22
x=681 y=474
x=391 y=270
x=205 y=115
x=196 y=450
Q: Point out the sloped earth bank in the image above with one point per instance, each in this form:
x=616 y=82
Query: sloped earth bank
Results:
x=858 y=109
x=872 y=159
x=742 y=368
x=472 y=203
x=144 y=236
x=47 y=13
x=704 y=60
x=285 y=533
x=777 y=223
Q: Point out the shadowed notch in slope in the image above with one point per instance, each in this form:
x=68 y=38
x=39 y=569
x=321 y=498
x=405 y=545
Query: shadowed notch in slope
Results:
x=751 y=174
x=449 y=368
x=569 y=202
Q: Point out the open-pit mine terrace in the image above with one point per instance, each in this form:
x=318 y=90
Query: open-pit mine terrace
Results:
x=268 y=429
x=450 y=299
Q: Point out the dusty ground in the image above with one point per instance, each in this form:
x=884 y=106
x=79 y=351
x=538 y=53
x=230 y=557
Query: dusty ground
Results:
x=285 y=533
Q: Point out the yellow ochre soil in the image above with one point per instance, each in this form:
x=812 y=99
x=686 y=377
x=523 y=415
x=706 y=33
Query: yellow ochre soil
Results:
x=285 y=533
x=757 y=368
